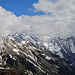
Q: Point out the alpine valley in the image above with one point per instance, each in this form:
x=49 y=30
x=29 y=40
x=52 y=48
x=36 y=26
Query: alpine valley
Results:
x=28 y=55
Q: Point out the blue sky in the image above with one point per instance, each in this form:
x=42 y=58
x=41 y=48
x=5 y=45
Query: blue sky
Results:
x=20 y=7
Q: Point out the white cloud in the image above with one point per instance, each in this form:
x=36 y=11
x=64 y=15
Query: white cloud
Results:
x=61 y=15
x=55 y=7
x=61 y=21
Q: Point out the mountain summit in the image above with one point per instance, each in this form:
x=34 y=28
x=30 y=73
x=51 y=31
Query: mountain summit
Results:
x=27 y=55
x=65 y=48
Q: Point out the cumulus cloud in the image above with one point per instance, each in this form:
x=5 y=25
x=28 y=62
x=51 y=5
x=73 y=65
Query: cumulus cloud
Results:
x=59 y=20
x=61 y=15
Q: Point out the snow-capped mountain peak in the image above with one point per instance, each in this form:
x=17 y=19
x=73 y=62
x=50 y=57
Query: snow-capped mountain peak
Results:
x=32 y=56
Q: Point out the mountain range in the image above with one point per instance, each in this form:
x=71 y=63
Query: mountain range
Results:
x=28 y=55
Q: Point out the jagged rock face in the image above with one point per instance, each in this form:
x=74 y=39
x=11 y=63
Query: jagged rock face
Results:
x=28 y=55
x=65 y=48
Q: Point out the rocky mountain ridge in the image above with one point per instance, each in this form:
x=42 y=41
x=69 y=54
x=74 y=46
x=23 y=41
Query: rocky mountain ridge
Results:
x=65 y=48
x=28 y=55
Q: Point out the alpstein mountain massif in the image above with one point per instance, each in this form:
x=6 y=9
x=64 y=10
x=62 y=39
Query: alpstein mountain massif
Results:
x=28 y=55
